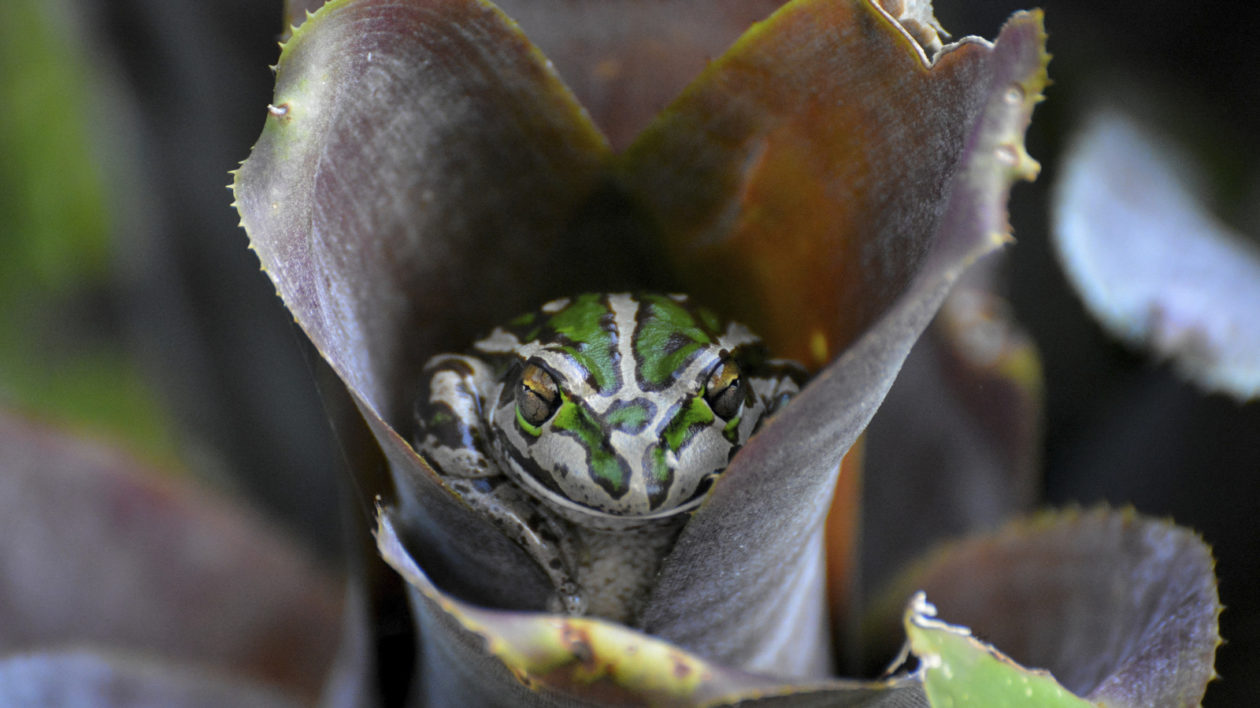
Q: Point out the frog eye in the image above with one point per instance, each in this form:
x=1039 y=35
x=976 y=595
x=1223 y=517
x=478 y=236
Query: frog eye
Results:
x=538 y=395
x=724 y=390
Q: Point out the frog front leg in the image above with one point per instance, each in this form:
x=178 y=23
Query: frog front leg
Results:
x=451 y=436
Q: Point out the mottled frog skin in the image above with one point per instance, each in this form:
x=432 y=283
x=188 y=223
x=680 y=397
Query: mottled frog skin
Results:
x=589 y=429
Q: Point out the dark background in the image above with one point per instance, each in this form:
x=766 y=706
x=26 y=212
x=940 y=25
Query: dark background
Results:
x=1119 y=427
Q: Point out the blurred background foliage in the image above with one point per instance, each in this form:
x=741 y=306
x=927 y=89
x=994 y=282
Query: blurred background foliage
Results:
x=60 y=353
x=131 y=307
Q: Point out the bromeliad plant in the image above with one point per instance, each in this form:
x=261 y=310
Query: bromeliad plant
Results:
x=426 y=174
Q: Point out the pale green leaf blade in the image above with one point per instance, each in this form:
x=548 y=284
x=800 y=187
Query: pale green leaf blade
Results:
x=960 y=670
x=472 y=655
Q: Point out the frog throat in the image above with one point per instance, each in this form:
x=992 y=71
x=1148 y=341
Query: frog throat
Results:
x=632 y=436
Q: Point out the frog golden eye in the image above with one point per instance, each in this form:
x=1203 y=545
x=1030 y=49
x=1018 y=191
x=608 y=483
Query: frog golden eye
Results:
x=725 y=390
x=538 y=396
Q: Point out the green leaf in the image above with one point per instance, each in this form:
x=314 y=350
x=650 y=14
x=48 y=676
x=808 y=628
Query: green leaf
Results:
x=54 y=215
x=56 y=222
x=960 y=670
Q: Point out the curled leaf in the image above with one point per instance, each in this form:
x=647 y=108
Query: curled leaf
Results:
x=738 y=140
x=824 y=150
x=1120 y=608
x=406 y=141
x=472 y=655
x=1149 y=261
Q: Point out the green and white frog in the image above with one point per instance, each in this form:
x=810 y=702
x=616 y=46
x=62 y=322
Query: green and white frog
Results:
x=588 y=430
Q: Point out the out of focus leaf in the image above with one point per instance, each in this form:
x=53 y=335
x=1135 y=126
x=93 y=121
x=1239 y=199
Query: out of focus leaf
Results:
x=52 y=192
x=108 y=680
x=960 y=670
x=1120 y=608
x=1151 y=263
x=98 y=551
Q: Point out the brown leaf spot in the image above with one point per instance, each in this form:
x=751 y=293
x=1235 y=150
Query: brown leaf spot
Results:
x=578 y=642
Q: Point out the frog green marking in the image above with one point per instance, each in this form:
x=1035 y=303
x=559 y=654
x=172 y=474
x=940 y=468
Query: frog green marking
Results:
x=587 y=327
x=691 y=419
x=660 y=475
x=631 y=416
x=588 y=429
x=668 y=336
x=529 y=428
x=605 y=468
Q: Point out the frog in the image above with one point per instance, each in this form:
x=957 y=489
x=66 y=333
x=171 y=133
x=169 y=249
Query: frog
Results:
x=589 y=430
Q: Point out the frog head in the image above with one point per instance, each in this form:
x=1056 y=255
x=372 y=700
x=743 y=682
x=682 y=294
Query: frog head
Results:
x=625 y=407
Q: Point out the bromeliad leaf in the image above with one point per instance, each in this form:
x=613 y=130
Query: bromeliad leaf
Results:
x=1151 y=263
x=626 y=61
x=1121 y=609
x=814 y=164
x=409 y=145
x=479 y=656
x=760 y=160
x=971 y=392
x=367 y=193
x=424 y=171
x=960 y=670
x=102 y=560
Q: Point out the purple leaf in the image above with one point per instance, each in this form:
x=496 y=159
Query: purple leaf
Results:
x=955 y=446
x=104 y=680
x=99 y=551
x=1120 y=608
x=424 y=175
x=757 y=539
x=1149 y=261
x=420 y=170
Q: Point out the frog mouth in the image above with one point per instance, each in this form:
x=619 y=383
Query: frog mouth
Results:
x=608 y=513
